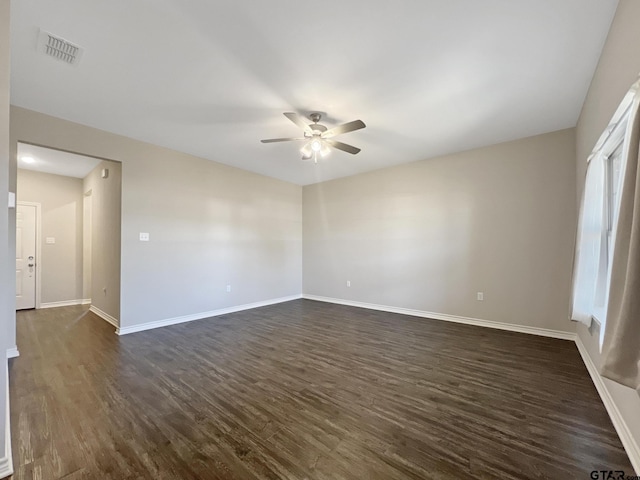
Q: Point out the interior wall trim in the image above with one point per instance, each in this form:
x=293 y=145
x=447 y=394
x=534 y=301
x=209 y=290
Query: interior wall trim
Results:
x=65 y=303
x=6 y=461
x=199 y=316
x=544 y=332
x=628 y=442
x=105 y=316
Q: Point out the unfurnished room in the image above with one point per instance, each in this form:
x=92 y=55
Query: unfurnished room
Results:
x=336 y=240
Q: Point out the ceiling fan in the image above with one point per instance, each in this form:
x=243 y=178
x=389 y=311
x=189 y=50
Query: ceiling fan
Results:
x=318 y=138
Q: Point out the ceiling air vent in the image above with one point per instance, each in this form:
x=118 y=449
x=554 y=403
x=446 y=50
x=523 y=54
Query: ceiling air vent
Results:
x=59 y=48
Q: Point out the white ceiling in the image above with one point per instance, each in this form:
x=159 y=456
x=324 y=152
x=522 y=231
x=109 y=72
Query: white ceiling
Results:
x=428 y=77
x=48 y=160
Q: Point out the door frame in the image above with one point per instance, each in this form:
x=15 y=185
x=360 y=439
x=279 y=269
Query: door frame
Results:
x=38 y=245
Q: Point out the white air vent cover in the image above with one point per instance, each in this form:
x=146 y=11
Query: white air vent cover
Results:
x=59 y=48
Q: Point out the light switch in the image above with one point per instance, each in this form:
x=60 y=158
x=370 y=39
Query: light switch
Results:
x=144 y=237
x=50 y=240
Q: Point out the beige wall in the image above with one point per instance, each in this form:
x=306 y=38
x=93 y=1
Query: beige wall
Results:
x=61 y=209
x=430 y=235
x=617 y=70
x=210 y=224
x=7 y=277
x=105 y=236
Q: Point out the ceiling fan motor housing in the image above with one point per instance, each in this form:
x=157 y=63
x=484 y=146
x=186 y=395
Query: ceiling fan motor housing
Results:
x=315 y=126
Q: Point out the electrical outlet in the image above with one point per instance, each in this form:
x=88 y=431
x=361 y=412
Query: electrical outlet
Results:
x=480 y=296
x=348 y=283
x=228 y=288
x=144 y=237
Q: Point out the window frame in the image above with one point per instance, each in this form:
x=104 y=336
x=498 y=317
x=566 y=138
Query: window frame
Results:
x=611 y=148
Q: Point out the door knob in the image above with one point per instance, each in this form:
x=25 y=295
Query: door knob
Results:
x=30 y=265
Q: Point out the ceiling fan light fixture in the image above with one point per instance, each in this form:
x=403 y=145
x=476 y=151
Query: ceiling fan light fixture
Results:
x=306 y=150
x=318 y=139
x=316 y=145
x=325 y=150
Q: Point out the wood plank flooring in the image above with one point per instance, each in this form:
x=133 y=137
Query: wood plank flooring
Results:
x=301 y=390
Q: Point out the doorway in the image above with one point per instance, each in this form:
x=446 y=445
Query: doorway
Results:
x=76 y=257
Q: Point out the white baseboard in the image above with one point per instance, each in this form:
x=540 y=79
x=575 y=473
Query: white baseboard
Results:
x=199 y=316
x=86 y=301
x=544 y=332
x=13 y=352
x=6 y=461
x=628 y=442
x=105 y=316
x=65 y=303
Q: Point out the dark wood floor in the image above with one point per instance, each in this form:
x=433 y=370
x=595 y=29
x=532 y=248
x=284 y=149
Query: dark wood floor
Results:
x=301 y=390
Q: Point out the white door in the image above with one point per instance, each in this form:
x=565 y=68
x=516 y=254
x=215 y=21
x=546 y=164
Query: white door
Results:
x=25 y=257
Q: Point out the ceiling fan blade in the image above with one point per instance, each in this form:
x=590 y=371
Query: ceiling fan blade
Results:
x=298 y=120
x=343 y=146
x=344 y=128
x=273 y=140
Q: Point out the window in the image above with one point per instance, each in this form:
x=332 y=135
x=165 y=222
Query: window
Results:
x=610 y=204
x=597 y=225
